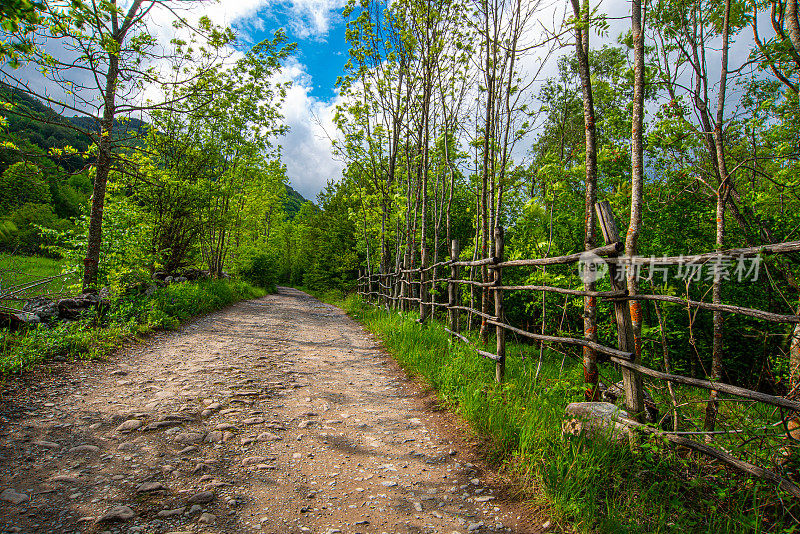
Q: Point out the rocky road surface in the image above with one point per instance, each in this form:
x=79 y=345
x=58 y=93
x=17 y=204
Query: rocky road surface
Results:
x=277 y=415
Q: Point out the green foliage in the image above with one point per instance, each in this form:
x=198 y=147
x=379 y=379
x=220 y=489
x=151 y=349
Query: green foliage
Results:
x=320 y=249
x=126 y=246
x=294 y=201
x=18 y=17
x=23 y=183
x=95 y=336
x=35 y=128
x=30 y=228
x=260 y=269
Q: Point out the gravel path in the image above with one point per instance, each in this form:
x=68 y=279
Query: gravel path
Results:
x=277 y=415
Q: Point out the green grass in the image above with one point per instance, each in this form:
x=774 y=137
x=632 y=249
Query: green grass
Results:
x=17 y=270
x=583 y=485
x=97 y=334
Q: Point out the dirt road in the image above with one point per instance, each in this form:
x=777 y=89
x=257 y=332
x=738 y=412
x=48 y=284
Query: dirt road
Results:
x=278 y=415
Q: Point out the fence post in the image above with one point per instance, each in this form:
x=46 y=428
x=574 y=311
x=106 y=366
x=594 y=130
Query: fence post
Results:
x=360 y=286
x=500 y=333
x=423 y=290
x=401 y=288
x=452 y=288
x=632 y=380
x=393 y=285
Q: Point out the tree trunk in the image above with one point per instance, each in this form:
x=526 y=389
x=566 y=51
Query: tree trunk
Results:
x=102 y=169
x=637 y=170
x=590 y=371
x=722 y=198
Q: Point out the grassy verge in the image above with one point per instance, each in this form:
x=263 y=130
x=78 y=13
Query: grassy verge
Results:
x=17 y=270
x=98 y=334
x=585 y=486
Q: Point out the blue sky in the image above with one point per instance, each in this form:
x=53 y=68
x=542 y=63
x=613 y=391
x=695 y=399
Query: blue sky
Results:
x=318 y=28
x=323 y=52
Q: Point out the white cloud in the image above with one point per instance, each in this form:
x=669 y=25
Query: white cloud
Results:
x=307 y=150
x=312 y=17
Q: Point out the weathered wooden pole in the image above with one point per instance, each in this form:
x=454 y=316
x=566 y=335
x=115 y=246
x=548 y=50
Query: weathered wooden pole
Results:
x=500 y=333
x=360 y=282
x=395 y=289
x=423 y=295
x=452 y=288
x=632 y=380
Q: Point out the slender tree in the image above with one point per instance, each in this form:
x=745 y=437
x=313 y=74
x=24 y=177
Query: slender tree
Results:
x=582 y=27
x=114 y=47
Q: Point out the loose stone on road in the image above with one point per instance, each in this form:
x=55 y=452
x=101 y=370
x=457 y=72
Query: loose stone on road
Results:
x=277 y=415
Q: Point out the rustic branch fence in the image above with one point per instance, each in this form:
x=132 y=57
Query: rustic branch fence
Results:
x=398 y=289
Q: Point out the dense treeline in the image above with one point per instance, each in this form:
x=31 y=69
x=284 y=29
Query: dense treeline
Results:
x=198 y=185
x=446 y=132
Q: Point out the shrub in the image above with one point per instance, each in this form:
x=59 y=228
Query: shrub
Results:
x=261 y=270
x=23 y=183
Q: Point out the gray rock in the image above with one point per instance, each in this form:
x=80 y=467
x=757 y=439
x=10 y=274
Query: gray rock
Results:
x=148 y=487
x=215 y=437
x=71 y=309
x=206 y=518
x=472 y=527
x=16 y=321
x=130 y=425
x=46 y=309
x=10 y=495
x=85 y=448
x=268 y=436
x=597 y=419
x=201 y=498
x=255 y=460
x=188 y=438
x=46 y=444
x=171 y=513
x=117 y=513
x=67 y=479
x=254 y=421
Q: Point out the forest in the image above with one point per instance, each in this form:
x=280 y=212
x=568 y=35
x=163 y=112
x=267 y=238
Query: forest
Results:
x=456 y=119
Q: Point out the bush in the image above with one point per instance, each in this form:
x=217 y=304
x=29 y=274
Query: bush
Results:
x=29 y=229
x=23 y=183
x=261 y=270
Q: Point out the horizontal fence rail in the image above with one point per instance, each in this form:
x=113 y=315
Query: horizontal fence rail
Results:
x=392 y=289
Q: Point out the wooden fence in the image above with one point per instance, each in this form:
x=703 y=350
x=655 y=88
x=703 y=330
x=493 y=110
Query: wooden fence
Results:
x=397 y=289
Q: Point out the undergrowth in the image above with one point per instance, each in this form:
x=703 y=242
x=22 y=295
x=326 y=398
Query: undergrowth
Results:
x=99 y=332
x=585 y=486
